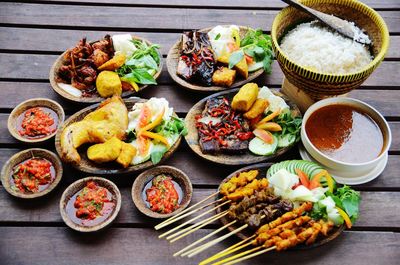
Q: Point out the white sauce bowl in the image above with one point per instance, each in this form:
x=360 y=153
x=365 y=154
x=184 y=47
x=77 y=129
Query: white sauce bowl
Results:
x=350 y=169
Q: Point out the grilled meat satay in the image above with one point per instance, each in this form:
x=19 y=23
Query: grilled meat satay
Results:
x=326 y=227
x=296 y=239
x=263 y=196
x=248 y=190
x=238 y=181
x=298 y=222
x=317 y=229
x=305 y=207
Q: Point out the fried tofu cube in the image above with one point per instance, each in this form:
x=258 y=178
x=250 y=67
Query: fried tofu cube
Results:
x=224 y=77
x=258 y=108
x=246 y=97
x=126 y=155
x=105 y=152
x=241 y=67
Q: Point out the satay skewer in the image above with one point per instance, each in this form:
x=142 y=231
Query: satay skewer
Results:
x=187 y=248
x=193 y=219
x=179 y=215
x=197 y=226
x=250 y=256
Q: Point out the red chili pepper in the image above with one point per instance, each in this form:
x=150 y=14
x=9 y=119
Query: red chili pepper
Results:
x=244 y=135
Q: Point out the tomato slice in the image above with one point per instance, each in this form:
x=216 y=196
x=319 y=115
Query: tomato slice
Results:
x=264 y=135
x=143 y=145
x=144 y=116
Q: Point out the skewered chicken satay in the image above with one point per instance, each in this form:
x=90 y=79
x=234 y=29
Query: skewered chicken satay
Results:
x=294 y=239
x=326 y=227
x=238 y=181
x=305 y=207
x=298 y=222
x=248 y=190
x=313 y=237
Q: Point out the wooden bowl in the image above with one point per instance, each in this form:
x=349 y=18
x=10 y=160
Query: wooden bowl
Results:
x=319 y=85
x=192 y=138
x=76 y=187
x=95 y=98
x=20 y=157
x=177 y=175
x=172 y=64
x=30 y=103
x=262 y=168
x=88 y=166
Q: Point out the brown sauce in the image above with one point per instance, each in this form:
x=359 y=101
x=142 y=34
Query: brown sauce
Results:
x=345 y=133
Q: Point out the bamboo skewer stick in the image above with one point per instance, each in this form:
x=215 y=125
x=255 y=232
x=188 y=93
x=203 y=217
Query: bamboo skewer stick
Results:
x=201 y=225
x=215 y=241
x=229 y=250
x=241 y=254
x=175 y=217
x=187 y=248
x=191 y=220
x=250 y=256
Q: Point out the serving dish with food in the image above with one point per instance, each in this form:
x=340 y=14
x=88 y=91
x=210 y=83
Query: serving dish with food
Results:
x=117 y=136
x=348 y=136
x=162 y=191
x=291 y=204
x=243 y=126
x=218 y=58
x=121 y=64
x=35 y=120
x=31 y=173
x=90 y=204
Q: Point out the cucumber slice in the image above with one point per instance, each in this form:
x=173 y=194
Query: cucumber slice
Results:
x=255 y=66
x=286 y=140
x=259 y=147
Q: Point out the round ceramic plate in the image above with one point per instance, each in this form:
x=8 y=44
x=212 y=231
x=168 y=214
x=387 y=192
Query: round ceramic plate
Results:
x=262 y=168
x=172 y=64
x=88 y=166
x=20 y=157
x=31 y=103
x=192 y=138
x=79 y=185
x=340 y=176
x=144 y=178
x=95 y=98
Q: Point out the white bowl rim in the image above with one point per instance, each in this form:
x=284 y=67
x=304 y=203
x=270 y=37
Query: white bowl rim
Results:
x=344 y=100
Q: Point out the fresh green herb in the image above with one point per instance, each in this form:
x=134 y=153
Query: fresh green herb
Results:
x=156 y=156
x=290 y=125
x=347 y=199
x=218 y=36
x=142 y=65
x=319 y=212
x=175 y=126
x=235 y=58
x=259 y=46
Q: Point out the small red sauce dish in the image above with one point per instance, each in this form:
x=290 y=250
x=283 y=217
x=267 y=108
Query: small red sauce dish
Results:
x=90 y=204
x=31 y=173
x=162 y=191
x=35 y=120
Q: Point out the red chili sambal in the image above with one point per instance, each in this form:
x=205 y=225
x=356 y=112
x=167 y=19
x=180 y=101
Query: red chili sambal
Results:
x=37 y=122
x=33 y=175
x=163 y=196
x=90 y=201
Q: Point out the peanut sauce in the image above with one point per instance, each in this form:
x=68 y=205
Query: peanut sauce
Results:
x=345 y=133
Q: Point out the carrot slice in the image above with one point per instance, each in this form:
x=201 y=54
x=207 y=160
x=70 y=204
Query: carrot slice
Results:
x=303 y=178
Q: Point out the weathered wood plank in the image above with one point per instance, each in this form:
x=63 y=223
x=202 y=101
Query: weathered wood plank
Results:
x=20 y=39
x=222 y=3
x=377 y=209
x=33 y=66
x=141 y=246
x=145 y=18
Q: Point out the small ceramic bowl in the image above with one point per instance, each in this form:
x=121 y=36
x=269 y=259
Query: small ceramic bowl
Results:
x=351 y=169
x=31 y=103
x=16 y=159
x=79 y=185
x=138 y=193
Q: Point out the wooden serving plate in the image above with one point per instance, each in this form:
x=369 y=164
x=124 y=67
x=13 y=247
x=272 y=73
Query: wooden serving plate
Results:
x=192 y=138
x=112 y=168
x=79 y=185
x=95 y=98
x=262 y=168
x=172 y=64
x=21 y=157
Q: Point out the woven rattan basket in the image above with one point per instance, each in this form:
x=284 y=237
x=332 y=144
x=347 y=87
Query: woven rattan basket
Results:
x=320 y=85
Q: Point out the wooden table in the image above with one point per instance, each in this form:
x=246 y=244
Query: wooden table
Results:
x=33 y=35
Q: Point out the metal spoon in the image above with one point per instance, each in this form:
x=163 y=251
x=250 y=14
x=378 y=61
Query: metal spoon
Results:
x=341 y=26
